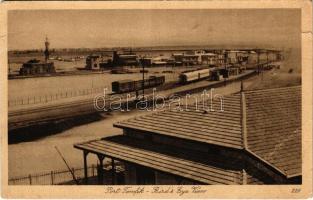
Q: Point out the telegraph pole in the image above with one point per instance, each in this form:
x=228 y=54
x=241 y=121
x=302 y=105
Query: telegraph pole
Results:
x=225 y=66
x=143 y=77
x=267 y=61
x=258 y=61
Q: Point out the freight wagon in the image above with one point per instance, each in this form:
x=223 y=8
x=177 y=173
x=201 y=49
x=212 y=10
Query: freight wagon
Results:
x=130 y=85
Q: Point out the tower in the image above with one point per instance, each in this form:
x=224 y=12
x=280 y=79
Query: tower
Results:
x=47 y=49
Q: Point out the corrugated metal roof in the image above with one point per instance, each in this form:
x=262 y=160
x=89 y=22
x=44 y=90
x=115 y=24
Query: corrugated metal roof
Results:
x=273 y=121
x=274 y=127
x=215 y=127
x=166 y=163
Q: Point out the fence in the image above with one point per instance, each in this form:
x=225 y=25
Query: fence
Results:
x=54 y=177
x=54 y=97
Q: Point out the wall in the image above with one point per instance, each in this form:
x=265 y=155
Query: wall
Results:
x=180 y=143
x=130 y=174
x=161 y=178
x=257 y=171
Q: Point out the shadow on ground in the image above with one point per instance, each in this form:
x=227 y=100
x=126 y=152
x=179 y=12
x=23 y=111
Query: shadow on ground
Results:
x=37 y=132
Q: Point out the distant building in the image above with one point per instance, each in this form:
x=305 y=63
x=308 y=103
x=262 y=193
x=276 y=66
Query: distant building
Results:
x=198 y=57
x=93 y=62
x=254 y=139
x=253 y=57
x=186 y=59
x=122 y=59
x=157 y=61
x=97 y=62
x=264 y=55
x=237 y=57
x=146 y=61
x=209 y=59
x=34 y=66
x=220 y=59
x=178 y=58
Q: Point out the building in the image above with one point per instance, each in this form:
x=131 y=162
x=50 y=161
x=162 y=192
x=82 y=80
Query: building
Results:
x=97 y=62
x=237 y=57
x=255 y=138
x=186 y=59
x=232 y=56
x=197 y=57
x=178 y=58
x=146 y=61
x=209 y=59
x=34 y=66
x=93 y=62
x=123 y=59
x=253 y=57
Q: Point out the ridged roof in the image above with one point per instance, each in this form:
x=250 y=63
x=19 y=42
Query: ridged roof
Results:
x=272 y=125
x=215 y=127
x=137 y=152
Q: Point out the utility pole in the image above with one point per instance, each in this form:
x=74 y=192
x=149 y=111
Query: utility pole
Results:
x=143 y=77
x=225 y=66
x=258 y=61
x=267 y=60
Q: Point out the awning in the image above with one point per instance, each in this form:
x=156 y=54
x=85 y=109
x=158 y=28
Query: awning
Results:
x=180 y=167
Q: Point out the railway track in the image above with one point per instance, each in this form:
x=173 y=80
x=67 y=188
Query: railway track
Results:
x=59 y=111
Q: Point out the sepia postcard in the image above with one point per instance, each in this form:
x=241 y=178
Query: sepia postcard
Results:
x=156 y=99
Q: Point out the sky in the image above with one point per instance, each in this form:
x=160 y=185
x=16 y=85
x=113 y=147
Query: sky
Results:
x=133 y=28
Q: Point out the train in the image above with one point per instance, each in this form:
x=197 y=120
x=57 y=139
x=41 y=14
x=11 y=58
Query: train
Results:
x=213 y=74
x=131 y=85
x=190 y=76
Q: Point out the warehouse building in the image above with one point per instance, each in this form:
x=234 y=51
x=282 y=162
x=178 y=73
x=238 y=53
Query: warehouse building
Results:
x=124 y=59
x=97 y=62
x=254 y=139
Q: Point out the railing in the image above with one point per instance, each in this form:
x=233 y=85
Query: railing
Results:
x=53 y=97
x=54 y=177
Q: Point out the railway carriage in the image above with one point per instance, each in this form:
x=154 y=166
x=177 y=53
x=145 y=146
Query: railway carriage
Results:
x=130 y=85
x=196 y=75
